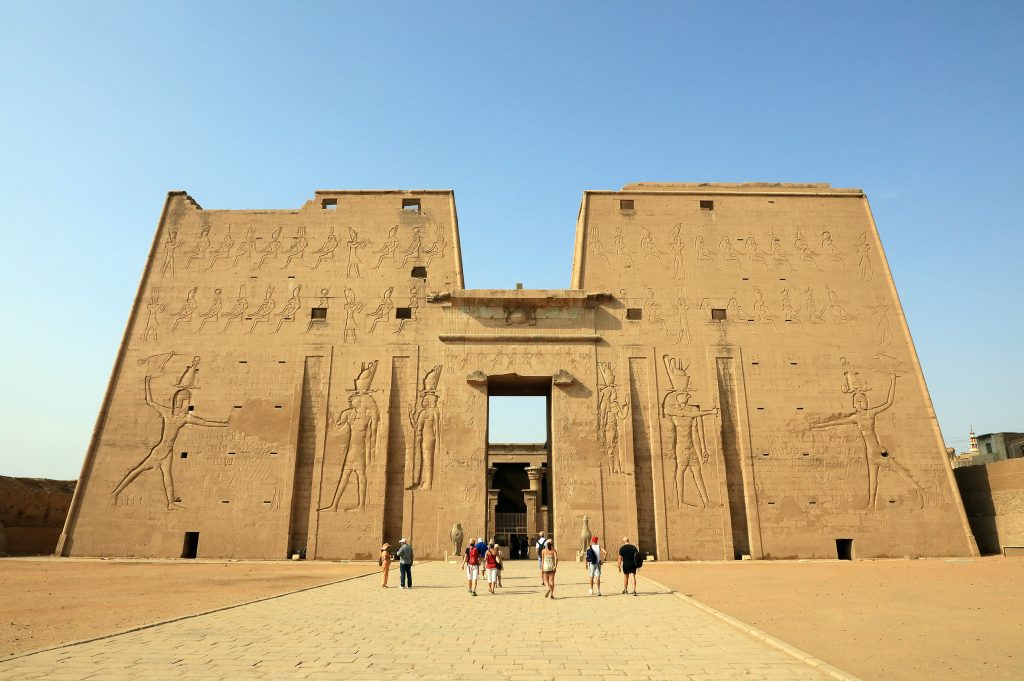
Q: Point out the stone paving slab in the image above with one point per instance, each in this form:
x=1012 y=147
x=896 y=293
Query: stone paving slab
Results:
x=437 y=630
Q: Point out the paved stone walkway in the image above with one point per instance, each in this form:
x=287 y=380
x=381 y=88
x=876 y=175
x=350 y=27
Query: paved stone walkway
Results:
x=357 y=630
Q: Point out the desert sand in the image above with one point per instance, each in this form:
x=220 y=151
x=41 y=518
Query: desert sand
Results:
x=48 y=601
x=933 y=619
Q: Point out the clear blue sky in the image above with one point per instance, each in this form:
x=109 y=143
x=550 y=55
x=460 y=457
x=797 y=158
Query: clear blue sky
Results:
x=519 y=107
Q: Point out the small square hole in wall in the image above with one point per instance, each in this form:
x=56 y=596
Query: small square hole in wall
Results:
x=718 y=313
x=412 y=205
x=419 y=272
x=278 y=406
x=707 y=205
x=403 y=313
x=191 y=407
x=625 y=204
x=329 y=204
x=318 y=313
x=634 y=313
x=273 y=453
x=224 y=501
x=184 y=455
x=231 y=453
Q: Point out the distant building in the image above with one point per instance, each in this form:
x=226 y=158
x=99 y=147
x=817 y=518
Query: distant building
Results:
x=994 y=447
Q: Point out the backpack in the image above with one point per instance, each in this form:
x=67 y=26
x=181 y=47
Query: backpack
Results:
x=592 y=556
x=638 y=559
x=474 y=556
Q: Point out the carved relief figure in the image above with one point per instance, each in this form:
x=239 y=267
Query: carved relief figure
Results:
x=190 y=376
x=262 y=313
x=831 y=251
x=212 y=313
x=779 y=256
x=384 y=309
x=237 y=311
x=325 y=295
x=351 y=309
x=678 y=246
x=881 y=312
x=247 y=248
x=703 y=254
x=679 y=310
x=648 y=247
x=415 y=250
x=325 y=252
x=438 y=248
x=876 y=455
x=596 y=247
x=288 y=312
x=270 y=251
x=354 y=243
x=789 y=313
x=729 y=252
x=761 y=311
x=457 y=535
x=864 y=256
x=804 y=249
x=611 y=414
x=153 y=310
x=161 y=455
x=389 y=249
x=198 y=251
x=814 y=315
x=357 y=436
x=184 y=313
x=171 y=246
x=414 y=306
x=620 y=247
x=297 y=249
x=223 y=250
x=839 y=315
x=425 y=420
x=686 y=431
x=755 y=253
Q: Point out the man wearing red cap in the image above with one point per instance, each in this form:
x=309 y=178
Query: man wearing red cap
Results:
x=595 y=557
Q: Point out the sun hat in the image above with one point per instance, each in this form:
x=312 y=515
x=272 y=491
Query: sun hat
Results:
x=593 y=540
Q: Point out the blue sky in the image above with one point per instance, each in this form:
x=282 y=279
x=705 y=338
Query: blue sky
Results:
x=519 y=107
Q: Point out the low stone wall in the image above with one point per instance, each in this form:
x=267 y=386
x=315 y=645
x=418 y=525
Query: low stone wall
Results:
x=32 y=513
x=993 y=497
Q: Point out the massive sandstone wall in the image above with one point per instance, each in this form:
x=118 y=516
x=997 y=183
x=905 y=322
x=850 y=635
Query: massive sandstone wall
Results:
x=772 y=307
x=994 y=500
x=221 y=413
x=32 y=513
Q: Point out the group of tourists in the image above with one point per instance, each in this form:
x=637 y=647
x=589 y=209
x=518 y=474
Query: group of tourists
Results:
x=487 y=557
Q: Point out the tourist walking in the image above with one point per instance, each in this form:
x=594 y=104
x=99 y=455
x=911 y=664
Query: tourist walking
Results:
x=385 y=564
x=629 y=559
x=501 y=561
x=491 y=563
x=549 y=564
x=404 y=556
x=471 y=561
x=595 y=559
x=540 y=549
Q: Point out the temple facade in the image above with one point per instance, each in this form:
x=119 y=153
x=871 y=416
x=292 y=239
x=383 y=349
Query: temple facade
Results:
x=730 y=374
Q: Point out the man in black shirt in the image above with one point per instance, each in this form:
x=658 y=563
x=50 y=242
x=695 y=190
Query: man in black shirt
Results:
x=627 y=564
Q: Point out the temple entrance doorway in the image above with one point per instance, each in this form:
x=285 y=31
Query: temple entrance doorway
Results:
x=518 y=462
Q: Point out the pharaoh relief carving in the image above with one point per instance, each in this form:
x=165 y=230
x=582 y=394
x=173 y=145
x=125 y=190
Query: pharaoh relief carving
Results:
x=649 y=248
x=686 y=435
x=437 y=248
x=173 y=418
x=864 y=417
x=703 y=254
x=237 y=311
x=326 y=250
x=198 y=251
x=880 y=310
x=354 y=245
x=384 y=309
x=678 y=248
x=171 y=246
x=352 y=308
x=222 y=251
x=269 y=252
x=414 y=306
x=831 y=251
x=414 y=252
x=425 y=419
x=290 y=310
x=863 y=250
x=262 y=313
x=212 y=313
x=153 y=310
x=388 y=249
x=184 y=313
x=247 y=249
x=357 y=428
x=298 y=248
x=612 y=413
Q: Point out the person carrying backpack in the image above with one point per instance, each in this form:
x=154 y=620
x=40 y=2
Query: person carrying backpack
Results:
x=595 y=558
x=471 y=561
x=540 y=548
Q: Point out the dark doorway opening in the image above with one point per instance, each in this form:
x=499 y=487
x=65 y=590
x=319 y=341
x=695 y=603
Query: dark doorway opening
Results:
x=844 y=549
x=190 y=549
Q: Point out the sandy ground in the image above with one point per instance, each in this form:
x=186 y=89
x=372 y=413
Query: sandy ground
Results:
x=48 y=601
x=887 y=619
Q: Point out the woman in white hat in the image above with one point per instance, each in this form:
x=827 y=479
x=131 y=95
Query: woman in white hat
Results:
x=385 y=564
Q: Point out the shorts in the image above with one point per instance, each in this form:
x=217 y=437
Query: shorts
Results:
x=629 y=569
x=594 y=569
x=472 y=572
x=492 y=574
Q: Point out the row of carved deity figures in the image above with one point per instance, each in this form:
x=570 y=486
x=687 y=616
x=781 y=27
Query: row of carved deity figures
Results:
x=241 y=316
x=253 y=254
x=354 y=429
x=804 y=319
x=749 y=255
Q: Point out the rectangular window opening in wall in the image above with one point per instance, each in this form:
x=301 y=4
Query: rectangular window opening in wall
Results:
x=184 y=455
x=318 y=313
x=191 y=407
x=718 y=314
x=329 y=204
x=844 y=549
x=412 y=205
x=625 y=204
x=634 y=313
x=419 y=272
x=705 y=204
x=403 y=313
x=988 y=447
x=190 y=548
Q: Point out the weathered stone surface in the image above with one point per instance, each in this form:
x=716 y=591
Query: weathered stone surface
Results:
x=32 y=512
x=730 y=374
